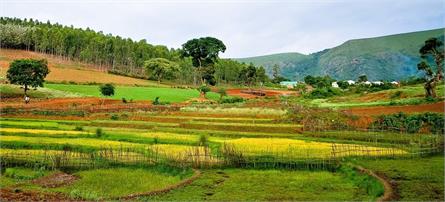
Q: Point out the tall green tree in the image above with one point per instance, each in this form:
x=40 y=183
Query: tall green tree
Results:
x=204 y=53
x=161 y=68
x=432 y=50
x=28 y=73
x=248 y=75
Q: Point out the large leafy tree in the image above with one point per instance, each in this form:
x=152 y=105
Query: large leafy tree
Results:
x=161 y=68
x=432 y=50
x=28 y=73
x=204 y=53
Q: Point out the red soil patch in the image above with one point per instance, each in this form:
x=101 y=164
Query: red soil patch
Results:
x=28 y=195
x=91 y=105
x=379 y=110
x=268 y=93
x=55 y=180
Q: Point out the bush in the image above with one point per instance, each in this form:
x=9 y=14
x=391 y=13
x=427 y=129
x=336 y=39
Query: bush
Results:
x=99 y=132
x=124 y=100
x=401 y=122
x=323 y=93
x=114 y=117
x=156 y=101
x=107 y=89
x=78 y=128
x=204 y=89
x=231 y=100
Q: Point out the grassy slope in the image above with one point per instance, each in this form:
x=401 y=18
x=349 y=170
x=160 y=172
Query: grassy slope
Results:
x=66 y=71
x=416 y=179
x=387 y=57
x=409 y=95
x=135 y=93
x=117 y=182
x=269 y=60
x=266 y=185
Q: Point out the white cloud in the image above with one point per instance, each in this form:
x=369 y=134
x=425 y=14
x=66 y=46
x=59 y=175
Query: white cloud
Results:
x=248 y=28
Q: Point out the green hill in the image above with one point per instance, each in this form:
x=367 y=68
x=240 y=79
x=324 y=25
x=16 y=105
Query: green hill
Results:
x=391 y=57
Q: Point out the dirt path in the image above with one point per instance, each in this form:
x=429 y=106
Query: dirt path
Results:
x=389 y=194
x=268 y=93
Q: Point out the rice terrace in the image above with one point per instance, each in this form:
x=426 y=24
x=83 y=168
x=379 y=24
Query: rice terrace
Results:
x=91 y=116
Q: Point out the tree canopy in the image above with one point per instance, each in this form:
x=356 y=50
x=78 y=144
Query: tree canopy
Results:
x=432 y=50
x=28 y=73
x=204 y=53
x=161 y=68
x=107 y=89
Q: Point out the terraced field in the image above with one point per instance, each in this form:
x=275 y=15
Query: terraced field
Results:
x=230 y=150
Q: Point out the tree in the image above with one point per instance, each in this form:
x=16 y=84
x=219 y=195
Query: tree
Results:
x=107 y=89
x=362 y=78
x=275 y=71
x=318 y=81
x=28 y=73
x=161 y=68
x=343 y=84
x=248 y=75
x=204 y=52
x=432 y=50
x=261 y=75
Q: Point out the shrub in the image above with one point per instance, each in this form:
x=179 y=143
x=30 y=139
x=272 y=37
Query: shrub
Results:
x=433 y=122
x=156 y=101
x=203 y=140
x=107 y=89
x=78 y=128
x=323 y=93
x=231 y=100
x=204 y=89
x=124 y=100
x=114 y=117
x=99 y=132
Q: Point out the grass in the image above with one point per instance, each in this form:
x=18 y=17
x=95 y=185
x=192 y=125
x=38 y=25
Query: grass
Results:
x=419 y=179
x=14 y=175
x=266 y=185
x=135 y=93
x=14 y=91
x=100 y=184
x=409 y=95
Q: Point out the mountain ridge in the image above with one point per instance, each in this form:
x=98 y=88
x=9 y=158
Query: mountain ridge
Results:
x=390 y=57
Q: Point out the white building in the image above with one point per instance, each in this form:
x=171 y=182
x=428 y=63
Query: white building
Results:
x=334 y=84
x=289 y=84
x=367 y=83
x=350 y=82
x=378 y=83
x=394 y=83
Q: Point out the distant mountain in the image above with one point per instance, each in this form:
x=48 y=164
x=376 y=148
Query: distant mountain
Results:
x=392 y=57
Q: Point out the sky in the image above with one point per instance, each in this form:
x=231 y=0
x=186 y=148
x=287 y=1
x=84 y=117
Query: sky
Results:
x=247 y=27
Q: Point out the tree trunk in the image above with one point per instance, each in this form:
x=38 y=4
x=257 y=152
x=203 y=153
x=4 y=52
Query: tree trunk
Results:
x=430 y=88
x=26 y=90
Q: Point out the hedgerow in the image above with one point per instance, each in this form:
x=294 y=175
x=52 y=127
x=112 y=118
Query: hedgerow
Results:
x=432 y=122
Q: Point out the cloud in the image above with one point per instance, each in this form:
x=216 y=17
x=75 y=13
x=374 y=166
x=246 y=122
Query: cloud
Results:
x=247 y=28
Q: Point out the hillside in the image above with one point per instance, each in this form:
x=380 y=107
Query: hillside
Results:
x=392 y=57
x=282 y=59
x=68 y=71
